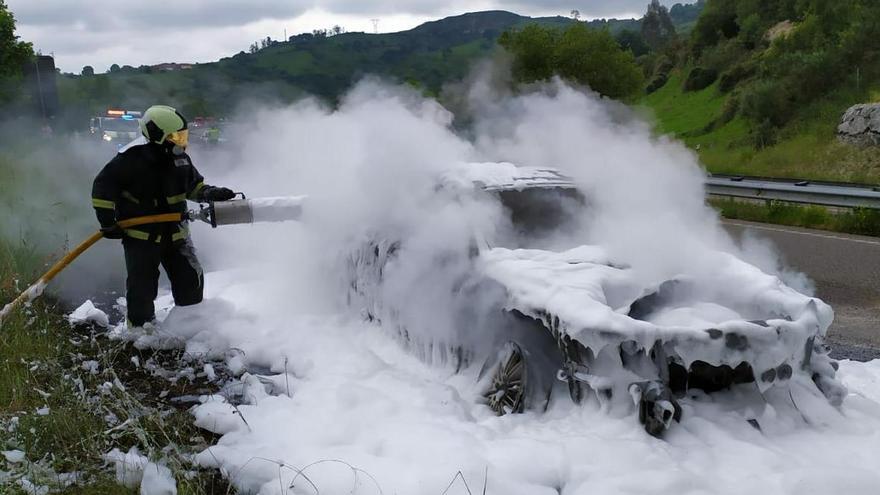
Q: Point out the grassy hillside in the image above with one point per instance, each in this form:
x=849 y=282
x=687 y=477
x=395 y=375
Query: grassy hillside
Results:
x=759 y=88
x=806 y=147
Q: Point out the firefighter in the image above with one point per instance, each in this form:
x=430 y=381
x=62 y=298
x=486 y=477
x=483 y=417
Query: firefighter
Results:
x=153 y=175
x=213 y=135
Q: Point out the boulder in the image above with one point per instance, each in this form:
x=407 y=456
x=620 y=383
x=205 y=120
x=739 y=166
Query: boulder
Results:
x=860 y=125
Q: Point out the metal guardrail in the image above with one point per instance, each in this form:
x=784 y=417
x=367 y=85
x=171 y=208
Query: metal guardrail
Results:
x=825 y=194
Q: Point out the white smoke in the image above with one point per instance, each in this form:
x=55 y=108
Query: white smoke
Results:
x=45 y=205
x=372 y=166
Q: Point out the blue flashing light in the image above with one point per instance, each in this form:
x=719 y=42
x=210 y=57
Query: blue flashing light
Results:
x=128 y=117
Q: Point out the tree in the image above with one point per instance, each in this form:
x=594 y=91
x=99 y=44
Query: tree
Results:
x=576 y=14
x=657 y=27
x=532 y=48
x=717 y=22
x=88 y=71
x=593 y=58
x=13 y=55
x=578 y=54
x=254 y=48
x=686 y=13
x=114 y=68
x=632 y=41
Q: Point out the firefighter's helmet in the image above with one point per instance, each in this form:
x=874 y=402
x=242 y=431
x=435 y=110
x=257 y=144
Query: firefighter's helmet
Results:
x=162 y=123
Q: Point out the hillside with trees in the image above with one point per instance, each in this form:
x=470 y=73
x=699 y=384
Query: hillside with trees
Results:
x=756 y=87
x=759 y=86
x=321 y=63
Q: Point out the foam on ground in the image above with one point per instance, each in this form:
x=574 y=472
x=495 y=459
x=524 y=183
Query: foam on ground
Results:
x=357 y=399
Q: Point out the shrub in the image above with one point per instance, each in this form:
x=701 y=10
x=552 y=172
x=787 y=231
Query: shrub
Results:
x=734 y=76
x=700 y=78
x=717 y=22
x=861 y=221
x=658 y=82
x=723 y=55
x=767 y=100
x=730 y=109
x=663 y=66
x=764 y=134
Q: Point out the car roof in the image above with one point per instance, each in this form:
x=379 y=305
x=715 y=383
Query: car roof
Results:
x=504 y=176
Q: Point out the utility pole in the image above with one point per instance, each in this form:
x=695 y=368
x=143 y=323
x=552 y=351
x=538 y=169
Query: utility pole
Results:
x=375 y=25
x=40 y=87
x=285 y=35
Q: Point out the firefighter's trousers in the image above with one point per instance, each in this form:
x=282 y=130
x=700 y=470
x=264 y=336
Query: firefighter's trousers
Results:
x=142 y=260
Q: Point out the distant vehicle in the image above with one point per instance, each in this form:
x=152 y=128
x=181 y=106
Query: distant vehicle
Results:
x=579 y=318
x=117 y=127
x=207 y=131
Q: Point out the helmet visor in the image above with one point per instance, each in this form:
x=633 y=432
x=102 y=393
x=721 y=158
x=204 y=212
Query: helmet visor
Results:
x=179 y=138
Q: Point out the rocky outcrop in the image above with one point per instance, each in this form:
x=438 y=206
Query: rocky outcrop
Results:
x=780 y=30
x=860 y=125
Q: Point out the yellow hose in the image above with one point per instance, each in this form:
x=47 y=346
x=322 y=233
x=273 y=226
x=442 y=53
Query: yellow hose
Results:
x=35 y=290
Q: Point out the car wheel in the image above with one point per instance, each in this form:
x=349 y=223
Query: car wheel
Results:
x=507 y=388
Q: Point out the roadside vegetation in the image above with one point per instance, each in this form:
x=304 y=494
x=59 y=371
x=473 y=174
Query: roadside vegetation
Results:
x=755 y=87
x=860 y=221
x=807 y=148
x=758 y=88
x=68 y=396
x=40 y=414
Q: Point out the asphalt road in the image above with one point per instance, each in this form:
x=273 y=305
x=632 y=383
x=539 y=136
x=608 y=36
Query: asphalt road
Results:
x=846 y=271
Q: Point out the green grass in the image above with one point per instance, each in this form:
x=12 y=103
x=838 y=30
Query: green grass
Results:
x=684 y=114
x=32 y=344
x=807 y=148
x=856 y=221
x=41 y=360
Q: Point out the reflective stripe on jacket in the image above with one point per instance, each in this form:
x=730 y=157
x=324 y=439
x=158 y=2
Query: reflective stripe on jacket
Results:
x=146 y=179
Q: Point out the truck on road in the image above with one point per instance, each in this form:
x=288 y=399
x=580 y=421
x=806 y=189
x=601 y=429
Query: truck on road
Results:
x=117 y=127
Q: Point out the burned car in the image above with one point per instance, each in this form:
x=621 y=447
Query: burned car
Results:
x=577 y=321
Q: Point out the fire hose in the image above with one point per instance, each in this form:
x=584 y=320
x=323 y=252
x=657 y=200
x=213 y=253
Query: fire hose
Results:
x=237 y=211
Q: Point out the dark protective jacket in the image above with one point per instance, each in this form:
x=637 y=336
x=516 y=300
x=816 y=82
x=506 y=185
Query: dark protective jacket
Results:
x=144 y=178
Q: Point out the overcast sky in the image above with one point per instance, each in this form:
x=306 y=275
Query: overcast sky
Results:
x=135 y=32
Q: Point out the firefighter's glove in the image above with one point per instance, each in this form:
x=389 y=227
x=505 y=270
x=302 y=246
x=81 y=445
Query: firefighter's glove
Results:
x=112 y=232
x=219 y=194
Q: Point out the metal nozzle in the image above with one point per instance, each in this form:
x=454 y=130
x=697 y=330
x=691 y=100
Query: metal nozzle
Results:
x=245 y=211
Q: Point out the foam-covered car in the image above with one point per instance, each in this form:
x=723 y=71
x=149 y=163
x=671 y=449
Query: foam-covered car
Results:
x=538 y=320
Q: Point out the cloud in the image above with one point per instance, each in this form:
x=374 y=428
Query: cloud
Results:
x=100 y=15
